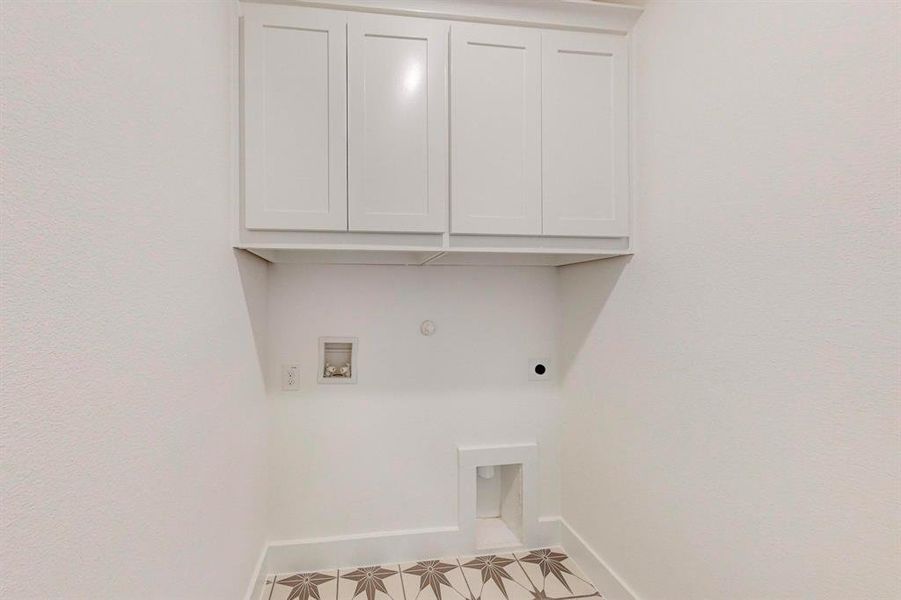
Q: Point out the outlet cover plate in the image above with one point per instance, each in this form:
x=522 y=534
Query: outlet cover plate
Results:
x=290 y=378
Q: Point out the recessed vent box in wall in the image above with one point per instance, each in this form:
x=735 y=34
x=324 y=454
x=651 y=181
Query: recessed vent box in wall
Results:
x=369 y=138
x=498 y=503
x=337 y=360
x=498 y=506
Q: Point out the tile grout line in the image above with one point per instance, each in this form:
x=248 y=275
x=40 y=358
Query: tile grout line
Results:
x=390 y=595
x=400 y=574
x=525 y=573
x=514 y=580
x=466 y=581
x=463 y=575
x=272 y=587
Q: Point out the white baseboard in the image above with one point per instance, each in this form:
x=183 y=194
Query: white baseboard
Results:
x=259 y=575
x=310 y=554
x=609 y=584
x=379 y=547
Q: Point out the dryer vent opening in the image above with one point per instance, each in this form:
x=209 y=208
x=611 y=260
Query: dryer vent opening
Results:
x=498 y=506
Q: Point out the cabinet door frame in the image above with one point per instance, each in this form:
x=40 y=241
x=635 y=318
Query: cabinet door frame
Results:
x=435 y=34
x=256 y=214
x=465 y=218
x=616 y=47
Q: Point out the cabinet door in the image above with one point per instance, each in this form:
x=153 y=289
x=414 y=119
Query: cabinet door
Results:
x=585 y=155
x=294 y=119
x=495 y=130
x=397 y=124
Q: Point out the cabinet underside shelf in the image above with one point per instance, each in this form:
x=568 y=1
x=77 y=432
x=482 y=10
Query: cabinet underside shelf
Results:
x=421 y=257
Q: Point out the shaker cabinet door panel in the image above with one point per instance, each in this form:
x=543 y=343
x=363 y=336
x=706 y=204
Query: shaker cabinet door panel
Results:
x=397 y=124
x=294 y=120
x=495 y=130
x=585 y=174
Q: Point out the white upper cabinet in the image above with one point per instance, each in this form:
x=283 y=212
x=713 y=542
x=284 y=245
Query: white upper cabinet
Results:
x=487 y=133
x=495 y=130
x=397 y=124
x=585 y=154
x=295 y=175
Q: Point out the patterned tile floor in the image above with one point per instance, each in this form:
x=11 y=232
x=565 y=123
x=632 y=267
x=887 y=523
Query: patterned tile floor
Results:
x=537 y=575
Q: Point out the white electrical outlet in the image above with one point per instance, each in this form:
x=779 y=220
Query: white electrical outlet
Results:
x=539 y=369
x=290 y=378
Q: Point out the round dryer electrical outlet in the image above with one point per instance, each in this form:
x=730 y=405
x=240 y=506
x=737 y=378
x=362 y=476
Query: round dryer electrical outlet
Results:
x=539 y=369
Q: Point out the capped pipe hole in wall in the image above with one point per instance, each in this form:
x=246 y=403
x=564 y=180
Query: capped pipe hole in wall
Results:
x=337 y=360
x=498 y=506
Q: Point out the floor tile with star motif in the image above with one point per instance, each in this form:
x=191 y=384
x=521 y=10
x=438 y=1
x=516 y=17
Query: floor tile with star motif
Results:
x=434 y=580
x=544 y=574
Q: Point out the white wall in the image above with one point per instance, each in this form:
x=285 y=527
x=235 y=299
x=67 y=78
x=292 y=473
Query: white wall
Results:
x=732 y=412
x=381 y=454
x=133 y=446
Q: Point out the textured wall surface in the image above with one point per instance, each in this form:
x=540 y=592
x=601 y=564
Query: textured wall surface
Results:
x=731 y=421
x=732 y=405
x=382 y=454
x=132 y=444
